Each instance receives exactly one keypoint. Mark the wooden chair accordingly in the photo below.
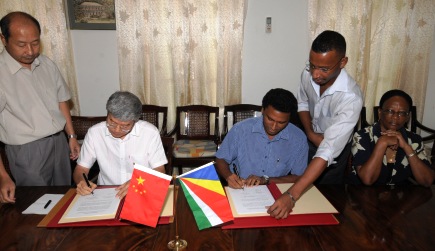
(362, 123)
(151, 113)
(81, 124)
(167, 143)
(236, 113)
(414, 125)
(196, 136)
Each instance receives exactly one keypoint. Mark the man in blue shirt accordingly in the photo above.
(265, 149)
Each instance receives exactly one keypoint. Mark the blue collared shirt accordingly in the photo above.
(248, 146)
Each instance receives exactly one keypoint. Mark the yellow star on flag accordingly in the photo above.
(140, 180)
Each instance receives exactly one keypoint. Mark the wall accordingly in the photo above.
(270, 60)
(276, 59)
(96, 60)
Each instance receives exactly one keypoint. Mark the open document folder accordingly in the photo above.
(147, 194)
(68, 212)
(249, 207)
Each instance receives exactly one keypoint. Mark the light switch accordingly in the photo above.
(268, 24)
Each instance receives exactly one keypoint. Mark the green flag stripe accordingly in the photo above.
(201, 220)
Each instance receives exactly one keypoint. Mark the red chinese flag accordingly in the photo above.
(146, 195)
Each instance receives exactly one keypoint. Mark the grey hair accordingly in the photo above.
(124, 106)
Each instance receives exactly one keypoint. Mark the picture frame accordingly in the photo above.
(91, 14)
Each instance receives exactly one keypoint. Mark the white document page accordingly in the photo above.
(251, 200)
(104, 202)
(38, 206)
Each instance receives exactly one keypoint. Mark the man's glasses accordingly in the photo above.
(124, 128)
(309, 67)
(400, 114)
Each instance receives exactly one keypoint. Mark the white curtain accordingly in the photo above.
(388, 43)
(181, 52)
(55, 38)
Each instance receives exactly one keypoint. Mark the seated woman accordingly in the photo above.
(386, 153)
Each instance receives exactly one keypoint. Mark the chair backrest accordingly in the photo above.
(236, 113)
(195, 122)
(167, 143)
(152, 113)
(362, 122)
(81, 124)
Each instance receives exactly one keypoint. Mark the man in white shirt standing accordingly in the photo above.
(329, 105)
(117, 143)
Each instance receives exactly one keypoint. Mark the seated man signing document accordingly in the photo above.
(117, 143)
(267, 148)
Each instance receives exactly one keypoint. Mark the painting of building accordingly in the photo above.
(97, 11)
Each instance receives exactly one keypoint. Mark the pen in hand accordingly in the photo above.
(87, 182)
(236, 171)
(47, 204)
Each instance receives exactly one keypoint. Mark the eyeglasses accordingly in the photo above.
(400, 114)
(310, 67)
(124, 128)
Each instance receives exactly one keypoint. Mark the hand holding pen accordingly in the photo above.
(240, 183)
(86, 187)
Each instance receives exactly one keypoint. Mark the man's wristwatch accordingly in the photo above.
(266, 178)
(72, 136)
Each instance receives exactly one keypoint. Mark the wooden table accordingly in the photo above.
(371, 218)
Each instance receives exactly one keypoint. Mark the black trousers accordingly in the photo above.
(333, 174)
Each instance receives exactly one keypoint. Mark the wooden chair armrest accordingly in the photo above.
(430, 137)
(171, 133)
(423, 127)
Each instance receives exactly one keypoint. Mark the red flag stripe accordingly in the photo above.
(217, 202)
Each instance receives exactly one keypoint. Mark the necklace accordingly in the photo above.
(391, 155)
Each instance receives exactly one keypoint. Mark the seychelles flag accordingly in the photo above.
(206, 196)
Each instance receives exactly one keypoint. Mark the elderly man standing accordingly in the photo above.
(33, 111)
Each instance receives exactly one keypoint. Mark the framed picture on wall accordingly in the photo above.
(91, 14)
